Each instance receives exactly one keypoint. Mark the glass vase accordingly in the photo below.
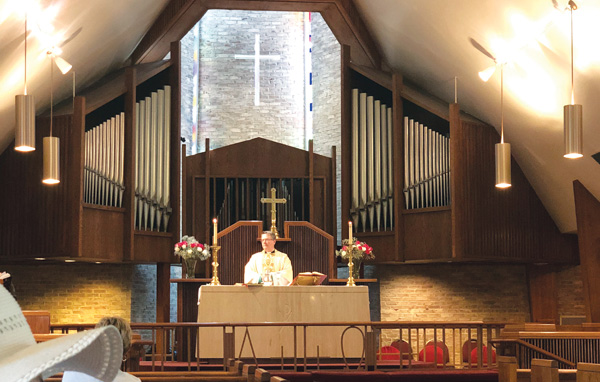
(190, 268)
(356, 268)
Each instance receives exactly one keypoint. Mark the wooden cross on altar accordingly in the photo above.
(274, 201)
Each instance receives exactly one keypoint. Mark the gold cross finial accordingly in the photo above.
(274, 201)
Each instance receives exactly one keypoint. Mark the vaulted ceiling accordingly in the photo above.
(428, 42)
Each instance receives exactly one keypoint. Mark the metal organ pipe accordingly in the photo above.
(105, 155)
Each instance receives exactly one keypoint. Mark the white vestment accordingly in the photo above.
(277, 264)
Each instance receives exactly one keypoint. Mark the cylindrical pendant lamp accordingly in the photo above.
(573, 127)
(51, 160)
(573, 113)
(25, 119)
(503, 165)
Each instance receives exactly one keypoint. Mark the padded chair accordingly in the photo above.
(484, 352)
(442, 346)
(467, 348)
(429, 354)
(404, 348)
(388, 353)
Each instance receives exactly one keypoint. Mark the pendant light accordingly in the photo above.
(25, 114)
(573, 122)
(502, 149)
(51, 144)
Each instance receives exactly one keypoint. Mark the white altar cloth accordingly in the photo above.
(251, 304)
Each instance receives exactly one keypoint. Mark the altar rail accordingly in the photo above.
(568, 344)
(450, 337)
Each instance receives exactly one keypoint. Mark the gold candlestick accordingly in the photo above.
(350, 262)
(215, 264)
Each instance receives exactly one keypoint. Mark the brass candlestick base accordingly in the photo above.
(350, 278)
(215, 264)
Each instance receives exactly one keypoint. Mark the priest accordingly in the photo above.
(268, 266)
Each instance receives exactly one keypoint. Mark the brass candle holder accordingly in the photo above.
(350, 265)
(215, 264)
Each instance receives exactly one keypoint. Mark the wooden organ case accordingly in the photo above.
(418, 181)
(93, 213)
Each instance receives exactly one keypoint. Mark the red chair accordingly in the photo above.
(474, 358)
(388, 353)
(467, 347)
(440, 345)
(427, 355)
(404, 348)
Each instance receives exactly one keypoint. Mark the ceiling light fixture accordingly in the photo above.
(51, 144)
(25, 113)
(502, 149)
(573, 114)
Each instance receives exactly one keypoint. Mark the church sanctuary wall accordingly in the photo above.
(227, 111)
(76, 292)
(326, 62)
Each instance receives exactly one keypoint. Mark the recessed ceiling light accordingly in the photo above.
(69, 261)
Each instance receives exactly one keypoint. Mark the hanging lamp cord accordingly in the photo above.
(51, 90)
(502, 103)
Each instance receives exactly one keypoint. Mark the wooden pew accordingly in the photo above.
(544, 370)
(588, 372)
(507, 369)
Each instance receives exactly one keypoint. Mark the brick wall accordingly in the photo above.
(570, 292)
(327, 99)
(227, 111)
(74, 292)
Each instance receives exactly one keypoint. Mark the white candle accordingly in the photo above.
(350, 232)
(215, 234)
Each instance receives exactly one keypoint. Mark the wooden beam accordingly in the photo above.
(172, 24)
(74, 176)
(179, 16)
(587, 210)
(346, 93)
(543, 293)
(398, 165)
(129, 165)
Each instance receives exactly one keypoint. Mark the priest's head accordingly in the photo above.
(267, 239)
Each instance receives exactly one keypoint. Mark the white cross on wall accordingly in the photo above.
(256, 57)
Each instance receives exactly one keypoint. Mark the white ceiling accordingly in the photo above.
(427, 41)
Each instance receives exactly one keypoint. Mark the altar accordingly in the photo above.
(281, 304)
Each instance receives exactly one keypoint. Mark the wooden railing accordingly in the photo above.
(159, 340)
(568, 345)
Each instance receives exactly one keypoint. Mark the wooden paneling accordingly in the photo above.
(102, 233)
(31, 209)
(587, 209)
(497, 224)
(427, 235)
(543, 293)
(383, 243)
(308, 247)
(153, 247)
(179, 16)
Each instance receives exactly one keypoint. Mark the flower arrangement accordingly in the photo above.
(360, 251)
(190, 248)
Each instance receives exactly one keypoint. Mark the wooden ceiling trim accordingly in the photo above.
(360, 31)
(172, 24)
(179, 16)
